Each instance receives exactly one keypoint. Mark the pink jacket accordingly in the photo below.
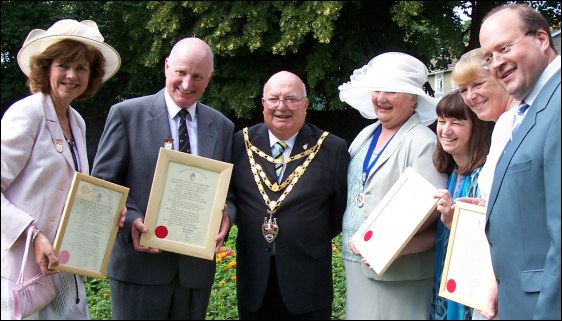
(36, 177)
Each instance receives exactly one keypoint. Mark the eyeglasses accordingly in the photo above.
(273, 103)
(497, 55)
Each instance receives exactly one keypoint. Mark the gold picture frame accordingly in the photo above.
(468, 275)
(186, 201)
(395, 220)
(88, 226)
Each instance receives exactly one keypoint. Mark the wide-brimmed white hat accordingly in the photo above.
(85, 31)
(391, 72)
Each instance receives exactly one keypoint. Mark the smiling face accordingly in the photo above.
(286, 119)
(188, 71)
(485, 96)
(393, 109)
(68, 80)
(517, 56)
(454, 136)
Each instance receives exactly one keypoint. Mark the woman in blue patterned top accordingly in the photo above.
(461, 150)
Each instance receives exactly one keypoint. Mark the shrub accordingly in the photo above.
(222, 305)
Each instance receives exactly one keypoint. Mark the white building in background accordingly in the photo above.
(442, 83)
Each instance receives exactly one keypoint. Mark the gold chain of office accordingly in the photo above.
(289, 182)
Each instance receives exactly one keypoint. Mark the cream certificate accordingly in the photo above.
(395, 220)
(186, 202)
(468, 273)
(185, 205)
(89, 224)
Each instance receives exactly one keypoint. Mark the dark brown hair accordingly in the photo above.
(453, 106)
(66, 51)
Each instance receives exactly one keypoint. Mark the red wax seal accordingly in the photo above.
(451, 286)
(161, 232)
(64, 257)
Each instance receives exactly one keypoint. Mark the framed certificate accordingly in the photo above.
(185, 204)
(467, 273)
(395, 220)
(88, 226)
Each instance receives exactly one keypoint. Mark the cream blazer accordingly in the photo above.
(412, 145)
(36, 177)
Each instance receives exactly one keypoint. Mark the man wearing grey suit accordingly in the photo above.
(147, 283)
(523, 213)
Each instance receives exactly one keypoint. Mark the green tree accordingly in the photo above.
(322, 41)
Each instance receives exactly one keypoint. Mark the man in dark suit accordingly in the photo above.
(523, 213)
(147, 283)
(286, 224)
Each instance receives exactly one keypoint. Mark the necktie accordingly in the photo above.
(518, 117)
(183, 136)
(278, 148)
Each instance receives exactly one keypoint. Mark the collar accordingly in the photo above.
(173, 108)
(549, 72)
(290, 142)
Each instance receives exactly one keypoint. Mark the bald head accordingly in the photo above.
(195, 48)
(287, 78)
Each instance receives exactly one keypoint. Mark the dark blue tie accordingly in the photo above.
(518, 117)
(183, 136)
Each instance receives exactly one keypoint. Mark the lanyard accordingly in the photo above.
(366, 166)
(74, 158)
(457, 189)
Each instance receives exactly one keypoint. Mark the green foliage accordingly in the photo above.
(223, 303)
(321, 41)
(421, 26)
(99, 301)
(338, 277)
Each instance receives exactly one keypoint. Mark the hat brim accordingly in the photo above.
(112, 58)
(359, 97)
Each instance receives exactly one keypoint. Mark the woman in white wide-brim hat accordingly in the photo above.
(389, 89)
(43, 145)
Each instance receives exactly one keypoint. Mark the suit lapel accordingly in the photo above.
(206, 133)
(303, 142)
(80, 143)
(158, 122)
(261, 141)
(55, 130)
(394, 142)
(543, 98)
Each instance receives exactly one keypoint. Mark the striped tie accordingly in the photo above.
(518, 117)
(279, 147)
(183, 136)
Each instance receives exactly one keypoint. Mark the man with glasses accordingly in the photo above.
(286, 218)
(523, 211)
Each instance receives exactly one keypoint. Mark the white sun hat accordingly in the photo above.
(390, 72)
(85, 31)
